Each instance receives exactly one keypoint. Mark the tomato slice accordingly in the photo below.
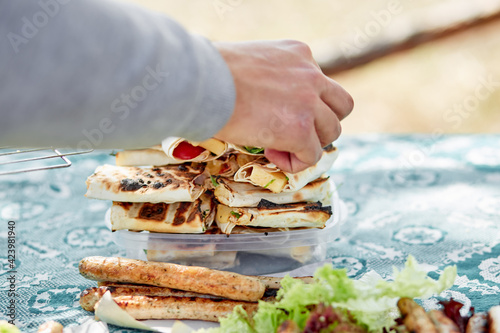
(186, 151)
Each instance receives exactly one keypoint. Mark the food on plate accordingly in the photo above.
(415, 319)
(178, 217)
(50, 327)
(139, 293)
(172, 183)
(190, 278)
(369, 301)
(328, 302)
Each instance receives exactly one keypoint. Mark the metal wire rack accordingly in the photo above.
(14, 160)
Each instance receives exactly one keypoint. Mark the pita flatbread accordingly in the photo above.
(145, 157)
(179, 217)
(239, 194)
(267, 214)
(173, 183)
(266, 175)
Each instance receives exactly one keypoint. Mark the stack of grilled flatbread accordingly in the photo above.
(211, 187)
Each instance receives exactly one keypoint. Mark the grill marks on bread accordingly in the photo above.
(170, 183)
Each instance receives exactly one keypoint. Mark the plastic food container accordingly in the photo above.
(252, 254)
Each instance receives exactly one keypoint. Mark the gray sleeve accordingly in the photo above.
(105, 74)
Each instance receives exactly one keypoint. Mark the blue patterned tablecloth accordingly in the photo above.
(434, 197)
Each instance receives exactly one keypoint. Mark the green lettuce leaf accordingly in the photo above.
(371, 300)
(5, 327)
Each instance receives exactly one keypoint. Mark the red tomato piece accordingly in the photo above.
(186, 151)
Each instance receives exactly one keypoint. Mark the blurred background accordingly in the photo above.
(428, 66)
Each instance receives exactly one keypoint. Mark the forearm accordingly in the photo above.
(106, 74)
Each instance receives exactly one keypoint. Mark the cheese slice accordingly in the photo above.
(267, 175)
(216, 147)
(172, 183)
(267, 214)
(178, 217)
(239, 194)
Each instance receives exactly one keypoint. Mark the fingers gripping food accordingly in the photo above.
(190, 278)
(266, 175)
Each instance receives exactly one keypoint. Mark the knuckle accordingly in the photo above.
(307, 99)
(299, 47)
(350, 103)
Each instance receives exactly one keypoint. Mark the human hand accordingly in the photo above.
(283, 102)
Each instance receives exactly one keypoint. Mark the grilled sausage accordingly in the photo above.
(414, 317)
(189, 278)
(89, 297)
(169, 307)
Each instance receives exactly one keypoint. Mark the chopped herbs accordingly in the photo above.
(270, 182)
(254, 150)
(236, 214)
(287, 179)
(214, 181)
(113, 153)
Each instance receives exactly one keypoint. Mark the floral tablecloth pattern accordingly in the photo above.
(436, 197)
